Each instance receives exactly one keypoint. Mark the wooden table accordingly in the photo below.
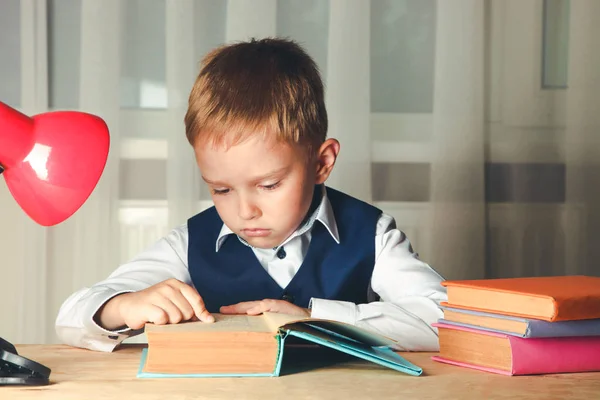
(83, 374)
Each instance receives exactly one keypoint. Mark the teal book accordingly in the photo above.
(241, 345)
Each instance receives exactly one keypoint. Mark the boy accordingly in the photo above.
(277, 240)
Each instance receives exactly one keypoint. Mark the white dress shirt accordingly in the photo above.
(403, 298)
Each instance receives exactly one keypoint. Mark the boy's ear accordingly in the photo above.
(326, 157)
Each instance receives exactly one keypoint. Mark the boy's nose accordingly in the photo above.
(248, 210)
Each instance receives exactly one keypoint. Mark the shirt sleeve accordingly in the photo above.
(165, 259)
(409, 292)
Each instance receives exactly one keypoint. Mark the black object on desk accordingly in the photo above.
(18, 370)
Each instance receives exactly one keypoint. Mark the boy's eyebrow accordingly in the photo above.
(209, 181)
(254, 180)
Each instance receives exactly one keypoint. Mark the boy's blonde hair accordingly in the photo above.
(267, 87)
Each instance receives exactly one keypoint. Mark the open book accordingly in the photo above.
(241, 345)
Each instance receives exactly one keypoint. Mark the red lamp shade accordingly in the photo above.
(51, 161)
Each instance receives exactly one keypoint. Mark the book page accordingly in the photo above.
(276, 320)
(223, 323)
(336, 328)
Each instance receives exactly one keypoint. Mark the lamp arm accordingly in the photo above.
(16, 135)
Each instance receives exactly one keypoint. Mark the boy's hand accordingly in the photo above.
(267, 305)
(167, 302)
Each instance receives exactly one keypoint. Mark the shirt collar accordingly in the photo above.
(323, 214)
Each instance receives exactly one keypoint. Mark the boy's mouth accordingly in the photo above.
(256, 232)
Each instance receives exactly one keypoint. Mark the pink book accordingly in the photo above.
(467, 347)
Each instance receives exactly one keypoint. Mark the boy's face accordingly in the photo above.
(262, 190)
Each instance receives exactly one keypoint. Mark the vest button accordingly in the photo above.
(281, 254)
(288, 297)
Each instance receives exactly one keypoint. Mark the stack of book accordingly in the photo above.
(522, 326)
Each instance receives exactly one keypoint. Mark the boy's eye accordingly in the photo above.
(220, 191)
(271, 186)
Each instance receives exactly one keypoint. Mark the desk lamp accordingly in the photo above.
(51, 163)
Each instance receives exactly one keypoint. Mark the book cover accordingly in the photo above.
(517, 326)
(241, 345)
(553, 298)
(511, 355)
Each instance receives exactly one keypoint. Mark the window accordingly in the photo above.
(10, 45)
(555, 56)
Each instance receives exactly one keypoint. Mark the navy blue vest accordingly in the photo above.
(329, 271)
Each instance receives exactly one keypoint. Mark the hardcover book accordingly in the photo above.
(551, 298)
(241, 345)
(518, 326)
(511, 355)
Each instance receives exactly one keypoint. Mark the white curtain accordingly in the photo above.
(457, 192)
(583, 140)
(349, 105)
(183, 180)
(448, 153)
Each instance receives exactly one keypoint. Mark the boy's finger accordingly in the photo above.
(255, 310)
(181, 302)
(156, 315)
(259, 307)
(239, 308)
(195, 300)
(170, 309)
(278, 306)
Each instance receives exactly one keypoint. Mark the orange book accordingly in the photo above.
(550, 298)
